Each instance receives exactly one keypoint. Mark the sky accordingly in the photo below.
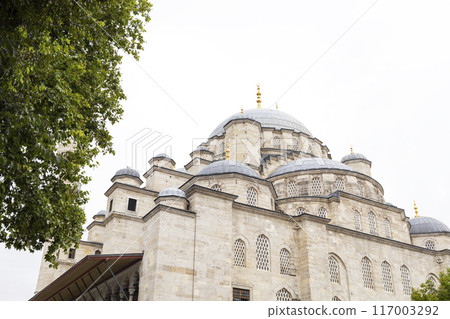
(371, 74)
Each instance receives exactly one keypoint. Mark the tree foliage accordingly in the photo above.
(428, 292)
(59, 89)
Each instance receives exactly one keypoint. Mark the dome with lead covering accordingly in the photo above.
(127, 172)
(427, 225)
(101, 213)
(164, 155)
(268, 118)
(354, 156)
(307, 164)
(172, 191)
(227, 166)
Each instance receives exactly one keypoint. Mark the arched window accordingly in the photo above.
(431, 245)
(335, 298)
(433, 281)
(310, 150)
(406, 280)
(262, 253)
(366, 268)
(292, 189)
(362, 192)
(285, 262)
(300, 211)
(333, 268)
(239, 253)
(339, 184)
(276, 142)
(387, 228)
(284, 295)
(316, 186)
(216, 187)
(357, 219)
(252, 196)
(295, 144)
(222, 147)
(372, 223)
(387, 276)
(322, 212)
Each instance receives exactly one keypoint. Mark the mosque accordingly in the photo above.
(260, 212)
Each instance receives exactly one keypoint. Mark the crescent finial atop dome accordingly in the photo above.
(258, 96)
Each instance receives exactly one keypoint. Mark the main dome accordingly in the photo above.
(268, 118)
(307, 164)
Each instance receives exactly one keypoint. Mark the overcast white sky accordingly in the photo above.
(383, 88)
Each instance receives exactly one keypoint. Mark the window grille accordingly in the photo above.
(431, 245)
(285, 262)
(335, 298)
(322, 212)
(433, 281)
(239, 253)
(310, 149)
(295, 144)
(284, 295)
(372, 223)
(362, 192)
(71, 253)
(132, 204)
(316, 186)
(387, 228)
(406, 280)
(292, 189)
(366, 268)
(216, 187)
(241, 294)
(333, 268)
(276, 142)
(357, 219)
(300, 211)
(222, 147)
(339, 184)
(252, 196)
(387, 277)
(262, 253)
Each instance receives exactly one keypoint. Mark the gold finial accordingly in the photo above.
(258, 96)
(415, 210)
(242, 110)
(228, 151)
(351, 149)
(276, 106)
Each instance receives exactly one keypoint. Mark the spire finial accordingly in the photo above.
(276, 106)
(228, 151)
(351, 149)
(258, 96)
(415, 210)
(242, 110)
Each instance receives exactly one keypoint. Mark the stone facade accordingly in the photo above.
(318, 231)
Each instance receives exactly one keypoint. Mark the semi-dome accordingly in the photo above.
(172, 191)
(427, 225)
(128, 171)
(227, 166)
(354, 156)
(268, 118)
(163, 155)
(100, 213)
(307, 164)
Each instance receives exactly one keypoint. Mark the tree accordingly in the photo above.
(428, 291)
(59, 89)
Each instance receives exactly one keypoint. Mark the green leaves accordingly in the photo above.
(59, 86)
(428, 291)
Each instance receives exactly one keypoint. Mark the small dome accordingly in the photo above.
(202, 148)
(427, 225)
(101, 213)
(267, 118)
(354, 156)
(127, 171)
(227, 166)
(172, 192)
(163, 155)
(307, 164)
(181, 169)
